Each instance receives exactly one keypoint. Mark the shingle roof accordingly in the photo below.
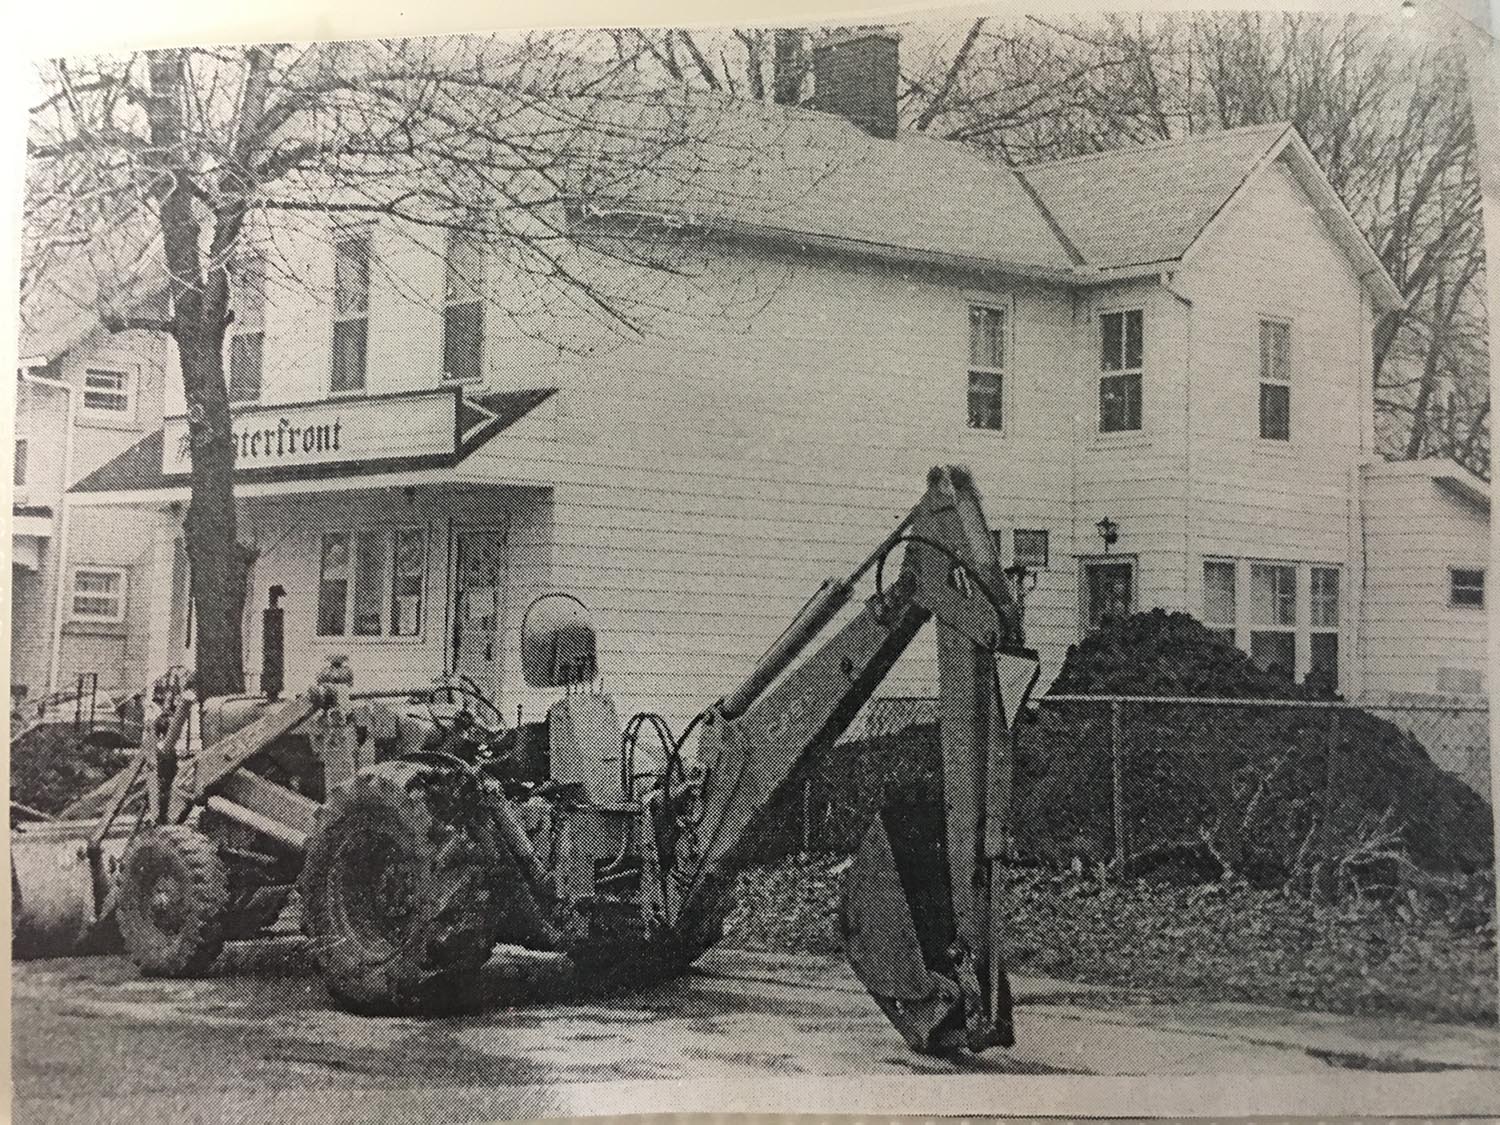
(1148, 203)
(138, 469)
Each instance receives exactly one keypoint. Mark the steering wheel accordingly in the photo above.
(478, 706)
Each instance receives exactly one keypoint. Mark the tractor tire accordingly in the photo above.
(174, 891)
(397, 888)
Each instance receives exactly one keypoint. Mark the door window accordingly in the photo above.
(1109, 592)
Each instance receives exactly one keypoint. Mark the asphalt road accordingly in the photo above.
(94, 1042)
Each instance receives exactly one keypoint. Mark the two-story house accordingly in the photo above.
(1156, 362)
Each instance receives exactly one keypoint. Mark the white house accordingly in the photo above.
(1173, 338)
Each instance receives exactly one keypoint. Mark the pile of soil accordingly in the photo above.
(53, 765)
(1208, 790)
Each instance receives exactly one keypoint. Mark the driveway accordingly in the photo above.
(94, 1042)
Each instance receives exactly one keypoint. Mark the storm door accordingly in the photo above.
(479, 606)
(1108, 591)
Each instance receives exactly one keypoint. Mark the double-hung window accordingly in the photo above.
(22, 451)
(463, 307)
(351, 310)
(1219, 597)
(98, 594)
(247, 343)
(1275, 380)
(371, 582)
(1122, 362)
(1273, 617)
(1466, 587)
(986, 367)
(107, 392)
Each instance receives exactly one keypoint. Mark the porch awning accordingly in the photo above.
(327, 439)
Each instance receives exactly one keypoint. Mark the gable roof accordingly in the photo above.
(1154, 204)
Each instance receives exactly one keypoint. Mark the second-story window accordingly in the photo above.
(986, 367)
(1276, 380)
(1466, 587)
(248, 342)
(351, 310)
(1122, 360)
(21, 452)
(463, 307)
(106, 393)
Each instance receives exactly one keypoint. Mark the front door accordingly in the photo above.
(1108, 591)
(479, 607)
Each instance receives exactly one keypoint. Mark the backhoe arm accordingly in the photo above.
(917, 916)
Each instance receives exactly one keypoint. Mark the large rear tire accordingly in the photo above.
(174, 891)
(397, 890)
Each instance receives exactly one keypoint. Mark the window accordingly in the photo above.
(351, 310)
(1109, 592)
(1273, 617)
(986, 367)
(1323, 664)
(98, 594)
(1030, 549)
(371, 582)
(106, 392)
(248, 341)
(1466, 587)
(463, 308)
(1275, 380)
(1122, 338)
(1218, 597)
(20, 466)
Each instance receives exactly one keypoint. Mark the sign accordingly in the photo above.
(331, 431)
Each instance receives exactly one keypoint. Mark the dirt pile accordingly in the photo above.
(52, 765)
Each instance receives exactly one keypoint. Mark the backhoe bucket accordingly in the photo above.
(900, 937)
(53, 887)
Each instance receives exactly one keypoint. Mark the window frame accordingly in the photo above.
(1015, 547)
(1266, 380)
(249, 322)
(20, 461)
(384, 597)
(1123, 372)
(130, 384)
(1088, 562)
(1315, 628)
(1454, 586)
(475, 298)
(344, 236)
(122, 595)
(1230, 626)
(1002, 308)
(1304, 609)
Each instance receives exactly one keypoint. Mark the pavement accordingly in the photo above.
(91, 1041)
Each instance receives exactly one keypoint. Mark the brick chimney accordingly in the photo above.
(856, 74)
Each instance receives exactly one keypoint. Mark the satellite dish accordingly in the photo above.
(558, 646)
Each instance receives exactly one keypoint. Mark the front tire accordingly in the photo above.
(174, 891)
(397, 890)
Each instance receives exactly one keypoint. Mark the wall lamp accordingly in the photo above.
(1109, 531)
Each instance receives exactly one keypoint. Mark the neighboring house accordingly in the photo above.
(1172, 340)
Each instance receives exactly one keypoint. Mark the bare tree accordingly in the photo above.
(177, 153)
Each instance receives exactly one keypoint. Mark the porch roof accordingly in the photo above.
(139, 469)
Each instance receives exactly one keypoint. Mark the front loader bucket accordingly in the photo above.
(52, 888)
(900, 935)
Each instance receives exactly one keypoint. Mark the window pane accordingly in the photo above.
(1325, 597)
(98, 594)
(465, 269)
(1276, 411)
(1273, 594)
(986, 337)
(1218, 595)
(1030, 548)
(1275, 652)
(349, 355)
(20, 466)
(1324, 671)
(1467, 587)
(250, 293)
(106, 390)
(333, 588)
(1275, 351)
(351, 275)
(1134, 340)
(1119, 403)
(984, 400)
(1110, 592)
(463, 327)
(408, 568)
(244, 367)
(1111, 338)
(369, 583)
